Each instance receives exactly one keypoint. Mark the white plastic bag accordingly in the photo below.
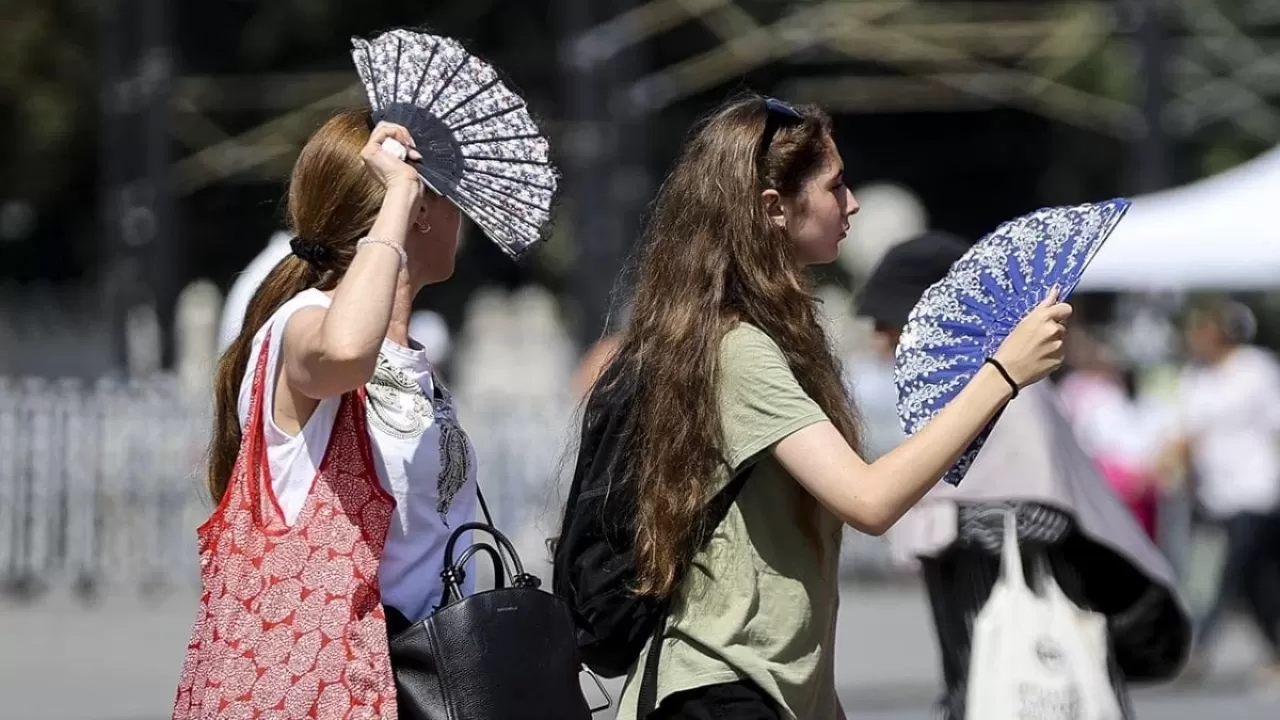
(1037, 658)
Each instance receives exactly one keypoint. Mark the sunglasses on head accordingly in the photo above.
(777, 114)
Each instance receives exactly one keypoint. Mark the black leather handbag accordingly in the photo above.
(509, 653)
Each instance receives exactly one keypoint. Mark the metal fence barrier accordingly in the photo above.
(101, 482)
(97, 483)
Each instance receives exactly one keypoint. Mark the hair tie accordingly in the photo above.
(310, 251)
(1013, 384)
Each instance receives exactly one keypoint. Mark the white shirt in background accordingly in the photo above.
(246, 284)
(1230, 412)
(870, 383)
(1109, 424)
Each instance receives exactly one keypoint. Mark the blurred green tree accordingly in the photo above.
(47, 76)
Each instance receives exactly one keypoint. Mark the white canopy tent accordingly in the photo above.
(1220, 233)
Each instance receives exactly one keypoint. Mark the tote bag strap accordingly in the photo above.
(240, 492)
(256, 456)
(350, 409)
(1010, 555)
(484, 506)
(1044, 577)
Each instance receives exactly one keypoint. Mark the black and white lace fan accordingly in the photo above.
(480, 147)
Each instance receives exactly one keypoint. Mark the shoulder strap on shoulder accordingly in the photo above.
(717, 509)
(647, 701)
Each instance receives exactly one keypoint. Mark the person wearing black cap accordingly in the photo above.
(902, 276)
(1065, 512)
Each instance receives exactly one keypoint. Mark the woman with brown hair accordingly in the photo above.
(735, 377)
(337, 460)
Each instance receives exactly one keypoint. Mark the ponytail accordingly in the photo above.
(289, 277)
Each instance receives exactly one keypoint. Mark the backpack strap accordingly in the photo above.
(719, 506)
(717, 509)
(647, 701)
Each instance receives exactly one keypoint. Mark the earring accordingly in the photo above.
(419, 227)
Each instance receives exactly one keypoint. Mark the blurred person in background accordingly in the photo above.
(593, 363)
(1110, 425)
(601, 352)
(869, 377)
(736, 379)
(1229, 408)
(1065, 513)
(429, 329)
(246, 284)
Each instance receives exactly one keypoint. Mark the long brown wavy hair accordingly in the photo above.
(710, 258)
(333, 200)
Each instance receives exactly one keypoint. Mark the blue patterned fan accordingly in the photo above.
(961, 320)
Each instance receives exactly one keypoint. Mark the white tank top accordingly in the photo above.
(420, 452)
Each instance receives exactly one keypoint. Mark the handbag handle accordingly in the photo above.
(502, 540)
(454, 574)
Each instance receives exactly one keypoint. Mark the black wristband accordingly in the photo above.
(1005, 374)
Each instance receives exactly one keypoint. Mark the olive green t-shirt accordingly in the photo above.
(759, 602)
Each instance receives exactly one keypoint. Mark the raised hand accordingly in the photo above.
(1034, 349)
(390, 168)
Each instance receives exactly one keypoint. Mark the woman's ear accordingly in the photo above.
(773, 207)
(422, 218)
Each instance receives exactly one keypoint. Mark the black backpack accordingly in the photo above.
(594, 558)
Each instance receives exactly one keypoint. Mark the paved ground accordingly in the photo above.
(62, 661)
(1190, 705)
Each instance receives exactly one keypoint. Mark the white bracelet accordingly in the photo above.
(404, 256)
